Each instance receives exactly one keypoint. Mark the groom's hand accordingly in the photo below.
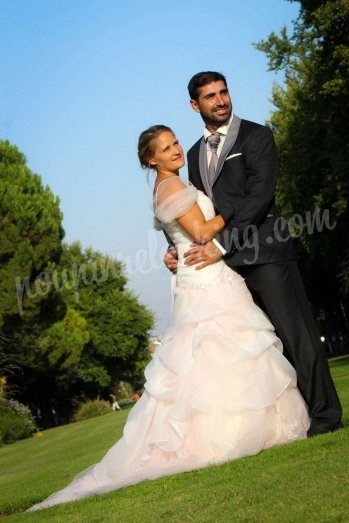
(202, 255)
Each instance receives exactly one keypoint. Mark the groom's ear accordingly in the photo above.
(195, 106)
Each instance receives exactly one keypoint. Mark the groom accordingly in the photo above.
(235, 163)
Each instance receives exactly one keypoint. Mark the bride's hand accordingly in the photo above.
(171, 260)
(202, 255)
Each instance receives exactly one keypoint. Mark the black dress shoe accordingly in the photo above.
(316, 431)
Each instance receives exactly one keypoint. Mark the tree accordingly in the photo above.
(311, 127)
(30, 240)
(101, 339)
(117, 323)
(30, 230)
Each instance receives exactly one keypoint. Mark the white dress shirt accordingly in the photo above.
(223, 131)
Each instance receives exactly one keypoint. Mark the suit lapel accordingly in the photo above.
(228, 144)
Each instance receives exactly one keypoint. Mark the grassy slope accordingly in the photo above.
(305, 481)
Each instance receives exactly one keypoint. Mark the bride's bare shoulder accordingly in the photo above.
(170, 184)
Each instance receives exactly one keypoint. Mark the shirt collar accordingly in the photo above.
(223, 129)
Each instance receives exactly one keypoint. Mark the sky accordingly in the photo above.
(81, 79)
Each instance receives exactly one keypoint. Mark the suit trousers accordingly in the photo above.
(278, 289)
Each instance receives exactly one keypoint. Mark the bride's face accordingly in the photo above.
(168, 154)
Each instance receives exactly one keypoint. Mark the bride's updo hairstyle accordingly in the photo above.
(145, 145)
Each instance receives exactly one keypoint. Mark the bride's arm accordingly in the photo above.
(176, 200)
(200, 229)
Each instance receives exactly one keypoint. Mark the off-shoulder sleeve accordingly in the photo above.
(173, 199)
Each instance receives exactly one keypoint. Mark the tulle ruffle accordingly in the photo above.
(174, 197)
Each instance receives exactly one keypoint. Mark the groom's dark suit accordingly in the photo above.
(259, 247)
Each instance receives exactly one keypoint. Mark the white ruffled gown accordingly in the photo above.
(218, 387)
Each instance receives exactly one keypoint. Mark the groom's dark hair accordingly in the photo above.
(201, 79)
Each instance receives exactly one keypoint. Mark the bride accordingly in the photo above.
(218, 387)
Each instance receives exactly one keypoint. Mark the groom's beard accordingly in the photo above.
(214, 119)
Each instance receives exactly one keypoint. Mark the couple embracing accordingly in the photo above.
(220, 387)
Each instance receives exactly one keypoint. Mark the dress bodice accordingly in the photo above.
(182, 240)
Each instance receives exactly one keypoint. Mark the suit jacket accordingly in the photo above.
(243, 192)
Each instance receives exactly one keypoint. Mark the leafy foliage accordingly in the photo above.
(117, 323)
(30, 240)
(311, 128)
(30, 228)
(9, 364)
(92, 409)
(101, 338)
(16, 421)
(63, 342)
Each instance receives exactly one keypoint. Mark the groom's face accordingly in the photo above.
(214, 104)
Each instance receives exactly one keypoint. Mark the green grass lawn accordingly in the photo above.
(306, 481)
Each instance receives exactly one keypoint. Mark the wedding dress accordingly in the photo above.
(218, 388)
